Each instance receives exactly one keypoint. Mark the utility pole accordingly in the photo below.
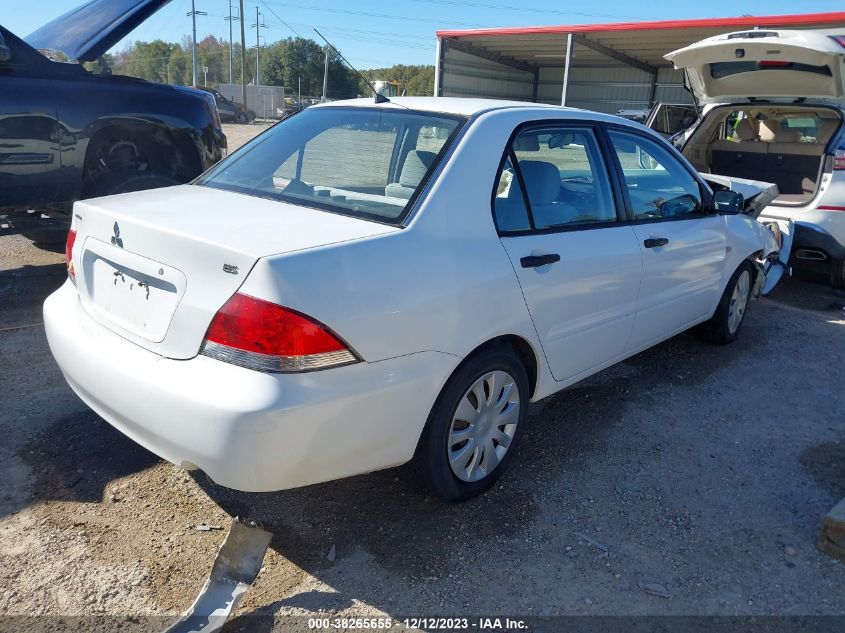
(258, 25)
(326, 75)
(230, 19)
(299, 92)
(243, 55)
(193, 13)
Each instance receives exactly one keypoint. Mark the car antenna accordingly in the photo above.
(377, 96)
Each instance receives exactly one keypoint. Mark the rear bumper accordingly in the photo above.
(812, 237)
(247, 430)
(820, 225)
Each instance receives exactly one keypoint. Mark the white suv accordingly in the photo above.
(773, 109)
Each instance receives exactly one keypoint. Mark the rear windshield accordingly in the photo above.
(364, 162)
(720, 70)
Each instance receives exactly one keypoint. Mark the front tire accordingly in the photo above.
(473, 429)
(723, 326)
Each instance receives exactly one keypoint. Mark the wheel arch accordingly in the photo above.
(519, 345)
(169, 152)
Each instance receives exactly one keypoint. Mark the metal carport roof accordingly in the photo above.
(529, 55)
(646, 42)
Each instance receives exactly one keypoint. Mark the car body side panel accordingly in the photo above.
(681, 279)
(84, 104)
(93, 104)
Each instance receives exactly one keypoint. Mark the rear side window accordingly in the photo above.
(509, 202)
(659, 186)
(562, 174)
(364, 162)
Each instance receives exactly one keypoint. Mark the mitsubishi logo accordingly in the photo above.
(115, 239)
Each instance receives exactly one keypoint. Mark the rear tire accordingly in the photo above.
(837, 273)
(724, 325)
(468, 440)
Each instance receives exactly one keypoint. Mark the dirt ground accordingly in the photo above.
(237, 135)
(703, 471)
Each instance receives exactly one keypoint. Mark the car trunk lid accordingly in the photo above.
(155, 266)
(764, 64)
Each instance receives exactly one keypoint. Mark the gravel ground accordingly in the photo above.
(237, 135)
(703, 471)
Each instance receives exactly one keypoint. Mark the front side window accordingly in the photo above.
(564, 178)
(658, 185)
(364, 162)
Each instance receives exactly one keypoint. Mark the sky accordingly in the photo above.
(380, 33)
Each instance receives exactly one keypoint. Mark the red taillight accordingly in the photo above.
(71, 239)
(264, 336)
(773, 64)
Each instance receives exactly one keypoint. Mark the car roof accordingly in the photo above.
(470, 107)
(446, 105)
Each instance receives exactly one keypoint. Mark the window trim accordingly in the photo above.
(616, 195)
(704, 190)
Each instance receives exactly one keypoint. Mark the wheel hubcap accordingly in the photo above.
(483, 426)
(739, 301)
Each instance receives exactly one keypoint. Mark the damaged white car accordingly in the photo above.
(369, 283)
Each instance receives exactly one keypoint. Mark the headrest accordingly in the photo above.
(746, 130)
(786, 135)
(769, 130)
(542, 180)
(826, 130)
(416, 165)
(527, 143)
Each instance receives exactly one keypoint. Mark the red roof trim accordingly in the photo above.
(740, 22)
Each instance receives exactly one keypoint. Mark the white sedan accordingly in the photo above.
(366, 284)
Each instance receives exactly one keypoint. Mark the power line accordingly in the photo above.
(502, 7)
(289, 27)
(383, 16)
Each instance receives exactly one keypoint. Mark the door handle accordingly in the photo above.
(533, 261)
(654, 242)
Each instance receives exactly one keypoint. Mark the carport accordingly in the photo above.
(602, 67)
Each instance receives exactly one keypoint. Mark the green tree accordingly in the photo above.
(413, 80)
(148, 60)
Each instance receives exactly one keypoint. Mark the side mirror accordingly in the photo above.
(728, 202)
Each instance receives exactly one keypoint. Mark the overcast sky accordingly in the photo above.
(386, 32)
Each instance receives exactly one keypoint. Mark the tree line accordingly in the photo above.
(296, 63)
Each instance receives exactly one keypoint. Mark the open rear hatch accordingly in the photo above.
(155, 266)
(764, 64)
